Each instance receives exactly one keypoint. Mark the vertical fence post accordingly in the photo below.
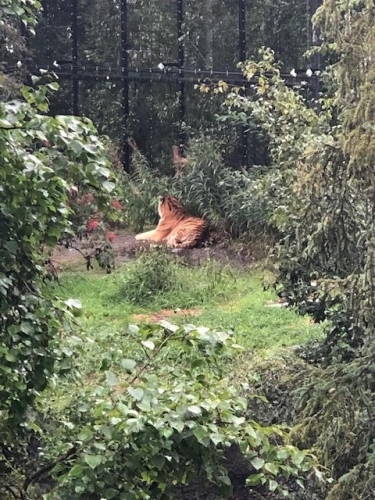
(181, 62)
(242, 57)
(74, 47)
(125, 84)
(313, 40)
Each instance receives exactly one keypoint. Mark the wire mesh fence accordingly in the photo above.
(131, 66)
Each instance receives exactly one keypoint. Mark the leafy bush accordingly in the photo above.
(227, 198)
(323, 190)
(42, 158)
(163, 419)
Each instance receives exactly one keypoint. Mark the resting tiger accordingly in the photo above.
(177, 228)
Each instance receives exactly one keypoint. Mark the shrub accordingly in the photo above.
(164, 419)
(153, 273)
(160, 279)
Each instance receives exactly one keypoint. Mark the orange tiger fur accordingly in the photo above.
(177, 228)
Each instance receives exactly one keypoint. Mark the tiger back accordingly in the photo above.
(176, 227)
(188, 231)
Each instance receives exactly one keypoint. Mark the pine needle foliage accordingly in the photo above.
(322, 188)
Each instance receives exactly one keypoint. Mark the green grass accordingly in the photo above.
(229, 299)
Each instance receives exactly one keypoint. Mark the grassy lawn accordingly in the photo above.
(224, 298)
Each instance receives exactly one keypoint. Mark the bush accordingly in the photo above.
(160, 279)
(153, 273)
(163, 419)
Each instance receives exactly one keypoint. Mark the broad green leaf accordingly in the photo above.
(111, 378)
(272, 468)
(109, 186)
(128, 364)
(201, 434)
(86, 434)
(272, 485)
(257, 462)
(148, 344)
(136, 392)
(255, 479)
(195, 410)
(76, 470)
(74, 303)
(133, 329)
(158, 461)
(93, 461)
(217, 438)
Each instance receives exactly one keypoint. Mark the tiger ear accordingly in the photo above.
(161, 199)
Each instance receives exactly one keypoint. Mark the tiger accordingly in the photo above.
(176, 227)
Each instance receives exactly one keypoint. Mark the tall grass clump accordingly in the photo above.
(140, 191)
(231, 200)
(150, 275)
(159, 279)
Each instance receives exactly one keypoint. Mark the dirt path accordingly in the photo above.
(125, 247)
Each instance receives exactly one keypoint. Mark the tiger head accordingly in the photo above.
(169, 206)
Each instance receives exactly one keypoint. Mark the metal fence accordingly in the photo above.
(125, 76)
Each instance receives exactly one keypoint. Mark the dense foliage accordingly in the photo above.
(161, 417)
(166, 418)
(42, 159)
(322, 190)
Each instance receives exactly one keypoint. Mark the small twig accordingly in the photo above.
(149, 362)
(37, 475)
(14, 494)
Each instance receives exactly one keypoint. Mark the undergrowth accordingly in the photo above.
(225, 297)
(226, 300)
(160, 279)
(229, 199)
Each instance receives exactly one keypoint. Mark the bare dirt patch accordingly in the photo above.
(164, 314)
(125, 247)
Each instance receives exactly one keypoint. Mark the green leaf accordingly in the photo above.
(76, 147)
(111, 378)
(148, 344)
(282, 454)
(76, 470)
(257, 462)
(272, 485)
(133, 329)
(128, 364)
(110, 493)
(158, 461)
(178, 425)
(5, 123)
(195, 410)
(217, 438)
(93, 461)
(86, 434)
(255, 479)
(109, 186)
(272, 468)
(136, 392)
(11, 246)
(298, 458)
(74, 303)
